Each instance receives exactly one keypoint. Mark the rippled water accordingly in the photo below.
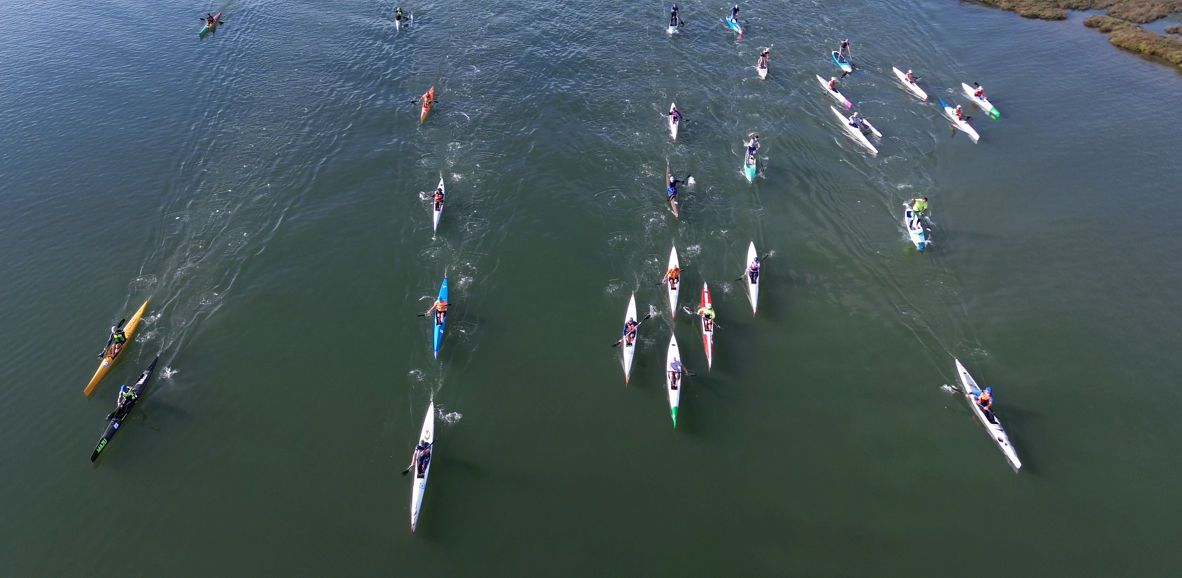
(263, 186)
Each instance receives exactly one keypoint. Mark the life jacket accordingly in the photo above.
(441, 306)
(984, 400)
(920, 206)
(119, 337)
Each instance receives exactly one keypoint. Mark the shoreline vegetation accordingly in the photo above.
(1120, 23)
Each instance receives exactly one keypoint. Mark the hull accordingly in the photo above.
(629, 349)
(841, 63)
(911, 87)
(419, 489)
(107, 362)
(993, 428)
(707, 327)
(673, 379)
(919, 237)
(983, 103)
(673, 125)
(428, 99)
(205, 29)
(121, 415)
(673, 289)
(854, 132)
(440, 325)
(437, 210)
(752, 287)
(837, 95)
(961, 125)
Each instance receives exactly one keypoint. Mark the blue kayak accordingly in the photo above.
(841, 62)
(440, 324)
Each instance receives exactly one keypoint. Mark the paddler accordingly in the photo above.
(844, 49)
(833, 83)
(630, 331)
(674, 115)
(919, 205)
(984, 400)
(910, 76)
(398, 14)
(673, 20)
(735, 13)
(675, 371)
(959, 114)
(672, 276)
(671, 188)
(752, 145)
(117, 340)
(437, 199)
(856, 121)
(979, 92)
(422, 457)
(126, 394)
(440, 309)
(707, 311)
(209, 21)
(753, 270)
(763, 59)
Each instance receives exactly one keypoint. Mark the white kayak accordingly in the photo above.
(674, 124)
(673, 377)
(421, 468)
(992, 426)
(982, 102)
(839, 97)
(752, 284)
(960, 124)
(910, 86)
(673, 287)
(917, 234)
(629, 348)
(437, 208)
(854, 131)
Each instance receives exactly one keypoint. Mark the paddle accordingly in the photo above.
(412, 462)
(621, 339)
(692, 313)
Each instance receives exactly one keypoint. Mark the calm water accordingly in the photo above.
(262, 188)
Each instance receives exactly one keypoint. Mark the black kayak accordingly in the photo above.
(120, 414)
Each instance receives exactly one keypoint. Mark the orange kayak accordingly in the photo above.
(427, 100)
(108, 360)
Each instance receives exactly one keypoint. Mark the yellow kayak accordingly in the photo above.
(108, 360)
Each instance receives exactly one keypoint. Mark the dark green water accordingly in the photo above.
(262, 188)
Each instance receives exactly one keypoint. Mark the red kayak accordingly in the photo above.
(707, 325)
